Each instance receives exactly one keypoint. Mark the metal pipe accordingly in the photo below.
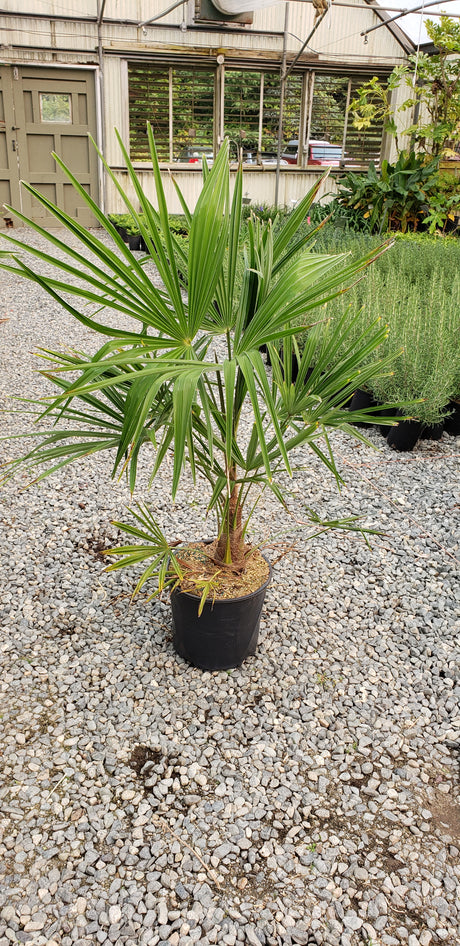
(163, 13)
(423, 6)
(100, 14)
(315, 27)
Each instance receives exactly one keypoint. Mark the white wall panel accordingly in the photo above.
(50, 35)
(51, 7)
(116, 107)
(338, 36)
(258, 185)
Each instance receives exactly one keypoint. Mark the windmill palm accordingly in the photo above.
(186, 367)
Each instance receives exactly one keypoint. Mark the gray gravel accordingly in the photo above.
(310, 796)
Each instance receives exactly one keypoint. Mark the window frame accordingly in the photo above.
(306, 104)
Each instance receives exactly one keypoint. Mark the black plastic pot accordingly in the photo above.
(432, 431)
(405, 435)
(346, 406)
(224, 634)
(386, 412)
(360, 401)
(135, 241)
(123, 233)
(452, 423)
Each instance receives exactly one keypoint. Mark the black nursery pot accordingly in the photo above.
(405, 435)
(432, 431)
(226, 632)
(135, 241)
(452, 423)
(359, 402)
(386, 412)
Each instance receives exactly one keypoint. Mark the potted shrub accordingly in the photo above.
(416, 290)
(178, 378)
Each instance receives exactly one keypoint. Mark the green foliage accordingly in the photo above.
(158, 389)
(177, 223)
(396, 198)
(372, 103)
(444, 203)
(434, 87)
(416, 291)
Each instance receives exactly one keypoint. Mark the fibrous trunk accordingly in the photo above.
(230, 547)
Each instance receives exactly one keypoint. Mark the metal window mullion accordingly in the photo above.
(304, 105)
(309, 110)
(170, 112)
(218, 107)
(261, 112)
(345, 124)
(222, 102)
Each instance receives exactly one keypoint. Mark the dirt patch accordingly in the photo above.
(96, 544)
(445, 815)
(141, 755)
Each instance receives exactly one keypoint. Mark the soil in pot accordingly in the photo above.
(227, 630)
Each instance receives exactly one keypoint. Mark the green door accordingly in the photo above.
(9, 166)
(49, 110)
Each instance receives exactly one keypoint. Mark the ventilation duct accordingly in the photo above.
(235, 7)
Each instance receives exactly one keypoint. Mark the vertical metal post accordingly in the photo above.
(311, 92)
(304, 114)
(170, 114)
(261, 112)
(100, 105)
(282, 96)
(345, 124)
(219, 106)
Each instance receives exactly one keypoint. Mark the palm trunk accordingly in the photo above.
(230, 547)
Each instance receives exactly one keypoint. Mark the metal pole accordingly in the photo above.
(318, 21)
(282, 94)
(422, 7)
(100, 106)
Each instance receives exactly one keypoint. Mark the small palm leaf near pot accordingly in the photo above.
(159, 389)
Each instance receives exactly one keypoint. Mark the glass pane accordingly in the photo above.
(56, 107)
(193, 114)
(328, 111)
(242, 107)
(292, 100)
(192, 100)
(291, 115)
(148, 102)
(362, 147)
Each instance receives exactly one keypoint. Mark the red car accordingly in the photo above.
(319, 153)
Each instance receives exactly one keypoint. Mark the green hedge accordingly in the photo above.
(415, 288)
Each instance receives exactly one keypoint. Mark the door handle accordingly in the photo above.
(14, 145)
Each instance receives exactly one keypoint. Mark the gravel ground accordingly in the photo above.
(310, 796)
